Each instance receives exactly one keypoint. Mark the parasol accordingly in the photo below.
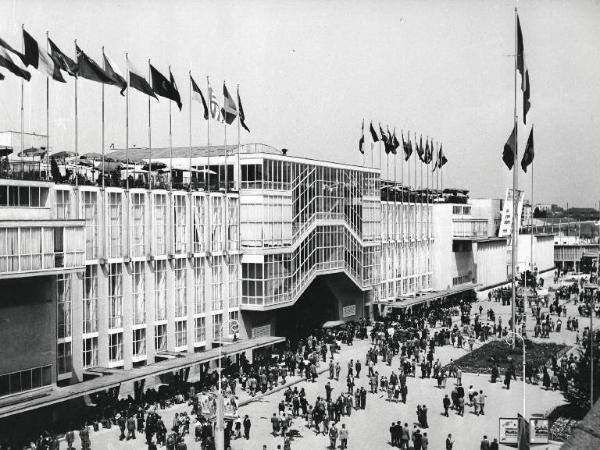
(63, 154)
(5, 151)
(156, 165)
(33, 151)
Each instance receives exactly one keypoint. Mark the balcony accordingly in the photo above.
(469, 229)
(41, 247)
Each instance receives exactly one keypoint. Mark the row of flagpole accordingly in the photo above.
(54, 61)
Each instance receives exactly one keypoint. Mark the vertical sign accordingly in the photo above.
(507, 213)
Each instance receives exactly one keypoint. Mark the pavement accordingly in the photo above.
(369, 428)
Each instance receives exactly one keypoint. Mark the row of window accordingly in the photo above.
(23, 196)
(24, 380)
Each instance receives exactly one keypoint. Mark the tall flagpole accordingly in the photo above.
(126, 127)
(225, 162)
(22, 113)
(239, 171)
(190, 163)
(207, 174)
(102, 139)
(170, 146)
(76, 127)
(149, 133)
(47, 116)
(514, 196)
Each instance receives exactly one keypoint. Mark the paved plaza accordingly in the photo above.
(369, 428)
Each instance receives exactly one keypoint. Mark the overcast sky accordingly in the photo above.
(310, 71)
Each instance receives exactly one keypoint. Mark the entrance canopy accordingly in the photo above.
(39, 399)
(333, 323)
(407, 300)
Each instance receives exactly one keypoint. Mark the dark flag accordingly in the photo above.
(529, 153)
(137, 81)
(114, 73)
(520, 49)
(420, 150)
(40, 59)
(88, 68)
(407, 147)
(361, 141)
(1, 77)
(163, 87)
(441, 159)
(526, 94)
(428, 156)
(229, 108)
(389, 146)
(373, 133)
(64, 62)
(508, 155)
(523, 434)
(395, 143)
(384, 139)
(13, 66)
(10, 48)
(199, 97)
(243, 116)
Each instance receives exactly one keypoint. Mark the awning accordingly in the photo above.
(406, 301)
(35, 399)
(333, 323)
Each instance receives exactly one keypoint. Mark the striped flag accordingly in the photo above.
(40, 59)
(137, 80)
(198, 96)
(361, 141)
(229, 107)
(216, 111)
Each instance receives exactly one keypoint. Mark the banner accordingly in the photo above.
(348, 311)
(509, 431)
(539, 430)
(507, 213)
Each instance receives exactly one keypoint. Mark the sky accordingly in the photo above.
(310, 71)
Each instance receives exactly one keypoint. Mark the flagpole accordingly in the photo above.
(149, 133)
(47, 116)
(76, 127)
(207, 174)
(170, 146)
(191, 132)
(22, 112)
(225, 160)
(239, 169)
(102, 139)
(514, 196)
(126, 127)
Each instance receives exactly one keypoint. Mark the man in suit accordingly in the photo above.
(405, 437)
(485, 444)
(449, 442)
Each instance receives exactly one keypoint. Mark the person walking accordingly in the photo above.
(425, 442)
(344, 437)
(446, 403)
(485, 444)
(405, 437)
(247, 424)
(449, 442)
(481, 398)
(333, 435)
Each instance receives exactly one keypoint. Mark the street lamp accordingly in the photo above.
(520, 336)
(234, 326)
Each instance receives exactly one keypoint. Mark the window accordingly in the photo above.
(232, 223)
(180, 288)
(63, 205)
(90, 352)
(115, 217)
(23, 196)
(63, 302)
(234, 317)
(160, 290)
(199, 221)
(63, 357)
(139, 342)
(200, 329)
(90, 214)
(115, 296)
(160, 337)
(199, 300)
(160, 224)
(217, 284)
(180, 333)
(15, 382)
(179, 224)
(90, 299)
(115, 347)
(138, 292)
(216, 218)
(137, 224)
(234, 280)
(217, 324)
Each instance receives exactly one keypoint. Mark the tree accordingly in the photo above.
(55, 171)
(538, 214)
(578, 392)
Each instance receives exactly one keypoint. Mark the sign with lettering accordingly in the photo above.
(507, 213)
(348, 311)
(509, 431)
(539, 431)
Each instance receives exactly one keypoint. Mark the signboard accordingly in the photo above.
(507, 213)
(539, 431)
(509, 431)
(348, 311)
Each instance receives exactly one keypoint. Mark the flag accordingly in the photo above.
(64, 62)
(528, 154)
(40, 59)
(407, 147)
(137, 80)
(1, 77)
(178, 97)
(163, 87)
(242, 115)
(526, 94)
(420, 149)
(395, 143)
(520, 49)
(441, 159)
(373, 133)
(508, 155)
(229, 108)
(9, 47)
(216, 112)
(88, 68)
(7, 61)
(523, 433)
(114, 73)
(361, 141)
(428, 154)
(198, 96)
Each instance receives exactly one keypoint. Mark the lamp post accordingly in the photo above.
(520, 336)
(234, 326)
